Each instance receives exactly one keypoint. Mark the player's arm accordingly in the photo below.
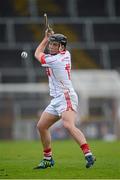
(39, 52)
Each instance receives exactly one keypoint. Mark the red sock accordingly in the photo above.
(47, 152)
(85, 148)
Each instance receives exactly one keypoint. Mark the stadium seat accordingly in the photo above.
(2, 33)
(85, 58)
(115, 58)
(10, 59)
(28, 33)
(117, 7)
(6, 8)
(108, 32)
(53, 7)
(91, 8)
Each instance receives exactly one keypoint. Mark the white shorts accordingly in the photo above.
(63, 103)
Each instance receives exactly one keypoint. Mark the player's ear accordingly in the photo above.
(61, 48)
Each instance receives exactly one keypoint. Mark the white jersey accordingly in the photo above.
(58, 70)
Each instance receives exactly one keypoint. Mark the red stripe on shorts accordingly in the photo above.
(69, 104)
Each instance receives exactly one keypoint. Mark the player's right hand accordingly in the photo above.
(49, 32)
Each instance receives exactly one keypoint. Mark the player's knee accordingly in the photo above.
(39, 126)
(66, 125)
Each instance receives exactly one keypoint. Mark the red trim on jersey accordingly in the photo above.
(62, 52)
(67, 67)
(42, 60)
(48, 71)
(68, 101)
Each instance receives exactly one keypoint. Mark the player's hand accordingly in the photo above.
(49, 32)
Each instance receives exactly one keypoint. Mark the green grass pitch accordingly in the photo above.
(17, 159)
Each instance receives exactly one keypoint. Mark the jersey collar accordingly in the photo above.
(62, 52)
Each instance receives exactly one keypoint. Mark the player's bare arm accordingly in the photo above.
(41, 47)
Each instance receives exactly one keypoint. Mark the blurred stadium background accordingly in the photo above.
(93, 31)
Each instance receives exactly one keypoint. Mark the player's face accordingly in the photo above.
(54, 47)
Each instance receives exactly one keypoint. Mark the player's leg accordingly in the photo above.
(46, 120)
(69, 118)
(43, 125)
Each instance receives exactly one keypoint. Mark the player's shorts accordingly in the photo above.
(63, 103)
